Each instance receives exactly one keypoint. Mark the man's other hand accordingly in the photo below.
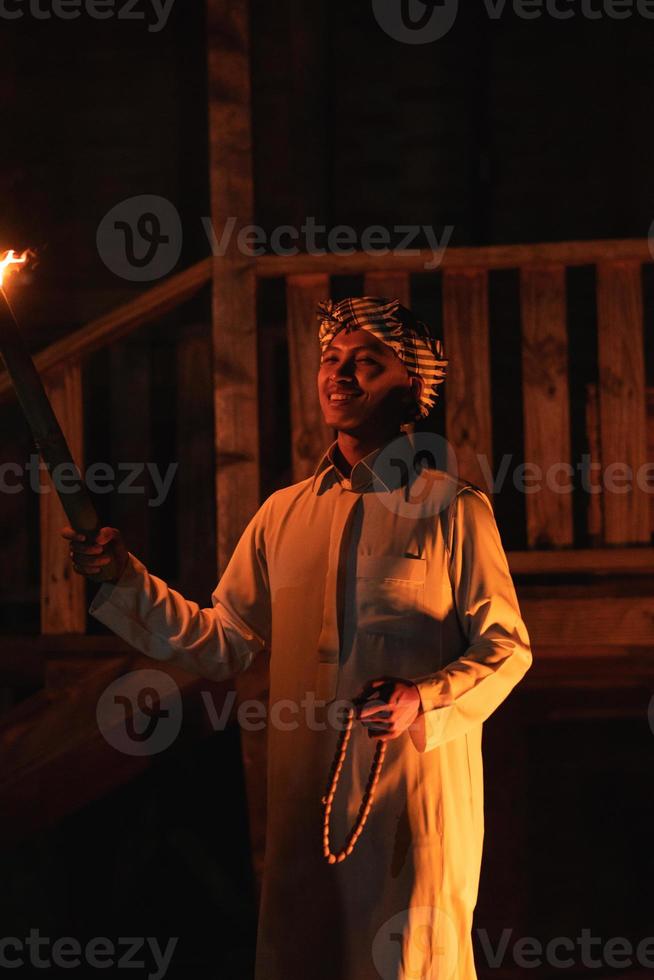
(390, 705)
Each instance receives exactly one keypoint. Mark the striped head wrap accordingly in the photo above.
(394, 325)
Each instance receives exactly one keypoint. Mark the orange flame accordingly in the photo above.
(11, 259)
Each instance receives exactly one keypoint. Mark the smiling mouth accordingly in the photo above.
(343, 398)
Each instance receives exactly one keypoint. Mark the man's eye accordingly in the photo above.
(366, 360)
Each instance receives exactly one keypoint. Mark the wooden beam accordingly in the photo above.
(486, 257)
(63, 591)
(621, 365)
(309, 434)
(545, 403)
(234, 286)
(468, 403)
(146, 308)
(586, 561)
(602, 621)
(235, 339)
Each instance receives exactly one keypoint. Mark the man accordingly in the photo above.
(372, 576)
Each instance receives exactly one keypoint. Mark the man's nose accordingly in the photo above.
(343, 370)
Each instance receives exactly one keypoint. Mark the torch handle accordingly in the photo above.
(46, 431)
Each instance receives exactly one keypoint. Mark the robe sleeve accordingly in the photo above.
(467, 690)
(215, 642)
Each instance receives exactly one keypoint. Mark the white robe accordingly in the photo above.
(343, 581)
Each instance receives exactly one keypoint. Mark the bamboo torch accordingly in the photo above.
(46, 431)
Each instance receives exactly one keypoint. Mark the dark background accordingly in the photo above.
(509, 130)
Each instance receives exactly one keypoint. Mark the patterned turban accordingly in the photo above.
(394, 325)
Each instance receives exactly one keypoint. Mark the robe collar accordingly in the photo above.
(363, 474)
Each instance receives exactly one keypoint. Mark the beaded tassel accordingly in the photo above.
(366, 802)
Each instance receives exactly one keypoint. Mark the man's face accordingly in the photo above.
(363, 386)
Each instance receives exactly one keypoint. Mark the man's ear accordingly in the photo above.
(416, 387)
(412, 400)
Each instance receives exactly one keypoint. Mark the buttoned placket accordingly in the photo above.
(349, 493)
(330, 639)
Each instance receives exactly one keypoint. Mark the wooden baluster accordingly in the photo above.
(621, 366)
(468, 401)
(545, 403)
(309, 434)
(63, 592)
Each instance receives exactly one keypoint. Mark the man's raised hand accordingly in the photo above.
(92, 558)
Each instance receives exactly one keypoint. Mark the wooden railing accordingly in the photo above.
(617, 406)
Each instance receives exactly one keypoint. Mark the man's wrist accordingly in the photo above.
(421, 706)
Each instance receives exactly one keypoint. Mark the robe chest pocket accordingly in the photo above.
(390, 594)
